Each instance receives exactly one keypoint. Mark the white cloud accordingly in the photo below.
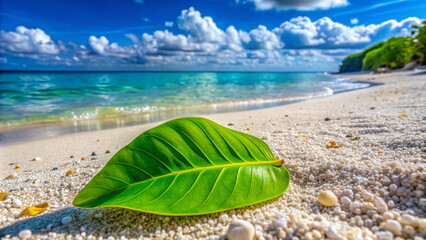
(29, 41)
(201, 29)
(354, 21)
(102, 47)
(169, 24)
(301, 32)
(203, 44)
(304, 5)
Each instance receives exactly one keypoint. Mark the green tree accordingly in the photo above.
(394, 53)
(419, 42)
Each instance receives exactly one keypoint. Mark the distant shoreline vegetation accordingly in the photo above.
(395, 53)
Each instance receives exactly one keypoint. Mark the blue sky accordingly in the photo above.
(205, 35)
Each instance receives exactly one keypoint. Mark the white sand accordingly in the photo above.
(386, 164)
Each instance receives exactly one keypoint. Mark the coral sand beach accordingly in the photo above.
(375, 172)
(217, 120)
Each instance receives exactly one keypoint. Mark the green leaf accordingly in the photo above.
(187, 166)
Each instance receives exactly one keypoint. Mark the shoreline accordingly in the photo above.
(37, 130)
(390, 149)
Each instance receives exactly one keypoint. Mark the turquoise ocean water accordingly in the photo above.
(78, 101)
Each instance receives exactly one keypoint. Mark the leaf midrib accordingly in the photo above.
(277, 163)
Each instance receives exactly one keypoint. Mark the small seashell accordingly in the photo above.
(33, 210)
(11, 176)
(305, 140)
(107, 151)
(17, 166)
(93, 154)
(37, 159)
(70, 172)
(3, 195)
(248, 129)
(403, 115)
(83, 158)
(327, 198)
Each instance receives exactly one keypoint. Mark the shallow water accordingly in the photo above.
(115, 99)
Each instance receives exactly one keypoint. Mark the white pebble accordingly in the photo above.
(384, 235)
(381, 205)
(387, 216)
(392, 226)
(240, 230)
(407, 219)
(37, 159)
(311, 178)
(17, 203)
(279, 223)
(66, 220)
(368, 196)
(223, 218)
(26, 233)
(327, 198)
(409, 230)
(332, 233)
(345, 200)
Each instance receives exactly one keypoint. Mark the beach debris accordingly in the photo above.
(305, 140)
(93, 158)
(33, 210)
(17, 167)
(332, 144)
(372, 108)
(98, 140)
(355, 138)
(107, 151)
(71, 156)
(248, 129)
(327, 198)
(69, 172)
(274, 124)
(286, 115)
(83, 158)
(349, 135)
(26, 233)
(17, 203)
(230, 124)
(11, 176)
(338, 119)
(3, 195)
(13, 163)
(54, 169)
(36, 159)
(93, 154)
(327, 119)
(240, 230)
(66, 220)
(403, 115)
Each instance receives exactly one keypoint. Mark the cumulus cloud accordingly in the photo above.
(301, 32)
(102, 47)
(27, 41)
(354, 21)
(304, 5)
(203, 43)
